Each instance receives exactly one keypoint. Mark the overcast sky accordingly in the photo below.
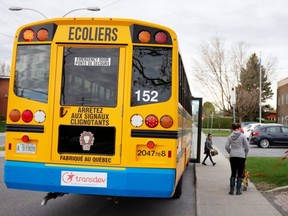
(260, 23)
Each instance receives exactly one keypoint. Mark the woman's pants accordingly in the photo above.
(237, 166)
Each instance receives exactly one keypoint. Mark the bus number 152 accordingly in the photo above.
(147, 95)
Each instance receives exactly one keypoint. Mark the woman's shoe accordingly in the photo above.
(204, 163)
(214, 164)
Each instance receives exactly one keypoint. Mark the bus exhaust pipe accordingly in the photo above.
(49, 196)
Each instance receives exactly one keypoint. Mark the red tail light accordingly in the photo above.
(27, 116)
(255, 133)
(151, 121)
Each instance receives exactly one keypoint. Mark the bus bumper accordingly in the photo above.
(108, 181)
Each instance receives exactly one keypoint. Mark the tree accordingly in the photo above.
(218, 70)
(248, 90)
(208, 108)
(4, 69)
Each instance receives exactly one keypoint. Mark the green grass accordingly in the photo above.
(2, 148)
(217, 132)
(2, 126)
(267, 172)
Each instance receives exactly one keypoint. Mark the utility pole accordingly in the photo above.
(233, 102)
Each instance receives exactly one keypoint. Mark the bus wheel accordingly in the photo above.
(178, 190)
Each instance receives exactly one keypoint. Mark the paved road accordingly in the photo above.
(27, 203)
(254, 151)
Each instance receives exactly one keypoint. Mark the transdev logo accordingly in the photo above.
(84, 179)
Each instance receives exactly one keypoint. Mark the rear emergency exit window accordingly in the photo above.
(90, 77)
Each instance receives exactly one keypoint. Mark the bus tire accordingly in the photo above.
(178, 190)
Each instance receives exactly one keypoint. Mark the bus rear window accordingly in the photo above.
(32, 72)
(90, 77)
(151, 75)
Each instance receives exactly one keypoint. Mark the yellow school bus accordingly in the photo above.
(98, 106)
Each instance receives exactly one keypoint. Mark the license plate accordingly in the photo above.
(26, 148)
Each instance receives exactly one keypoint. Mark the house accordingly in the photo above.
(282, 101)
(4, 85)
(271, 115)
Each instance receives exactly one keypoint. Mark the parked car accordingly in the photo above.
(270, 134)
(249, 129)
(245, 124)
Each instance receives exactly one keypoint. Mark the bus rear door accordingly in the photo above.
(88, 104)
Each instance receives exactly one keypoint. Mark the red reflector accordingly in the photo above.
(169, 154)
(27, 116)
(25, 138)
(161, 37)
(42, 35)
(151, 121)
(150, 144)
(144, 36)
(9, 146)
(28, 35)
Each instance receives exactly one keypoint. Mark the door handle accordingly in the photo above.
(63, 112)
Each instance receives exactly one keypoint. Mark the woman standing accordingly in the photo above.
(207, 149)
(237, 146)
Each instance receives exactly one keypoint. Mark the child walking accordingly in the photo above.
(207, 149)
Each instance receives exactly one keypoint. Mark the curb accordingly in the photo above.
(276, 189)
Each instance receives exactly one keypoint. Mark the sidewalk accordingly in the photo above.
(212, 187)
(2, 153)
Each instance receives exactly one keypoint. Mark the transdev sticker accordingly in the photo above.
(84, 179)
(92, 61)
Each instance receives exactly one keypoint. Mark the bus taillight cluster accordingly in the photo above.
(41, 35)
(152, 121)
(145, 37)
(27, 116)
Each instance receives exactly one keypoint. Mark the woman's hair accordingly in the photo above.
(209, 134)
(236, 126)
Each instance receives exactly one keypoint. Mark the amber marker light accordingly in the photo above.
(42, 35)
(144, 36)
(28, 35)
(166, 121)
(14, 115)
